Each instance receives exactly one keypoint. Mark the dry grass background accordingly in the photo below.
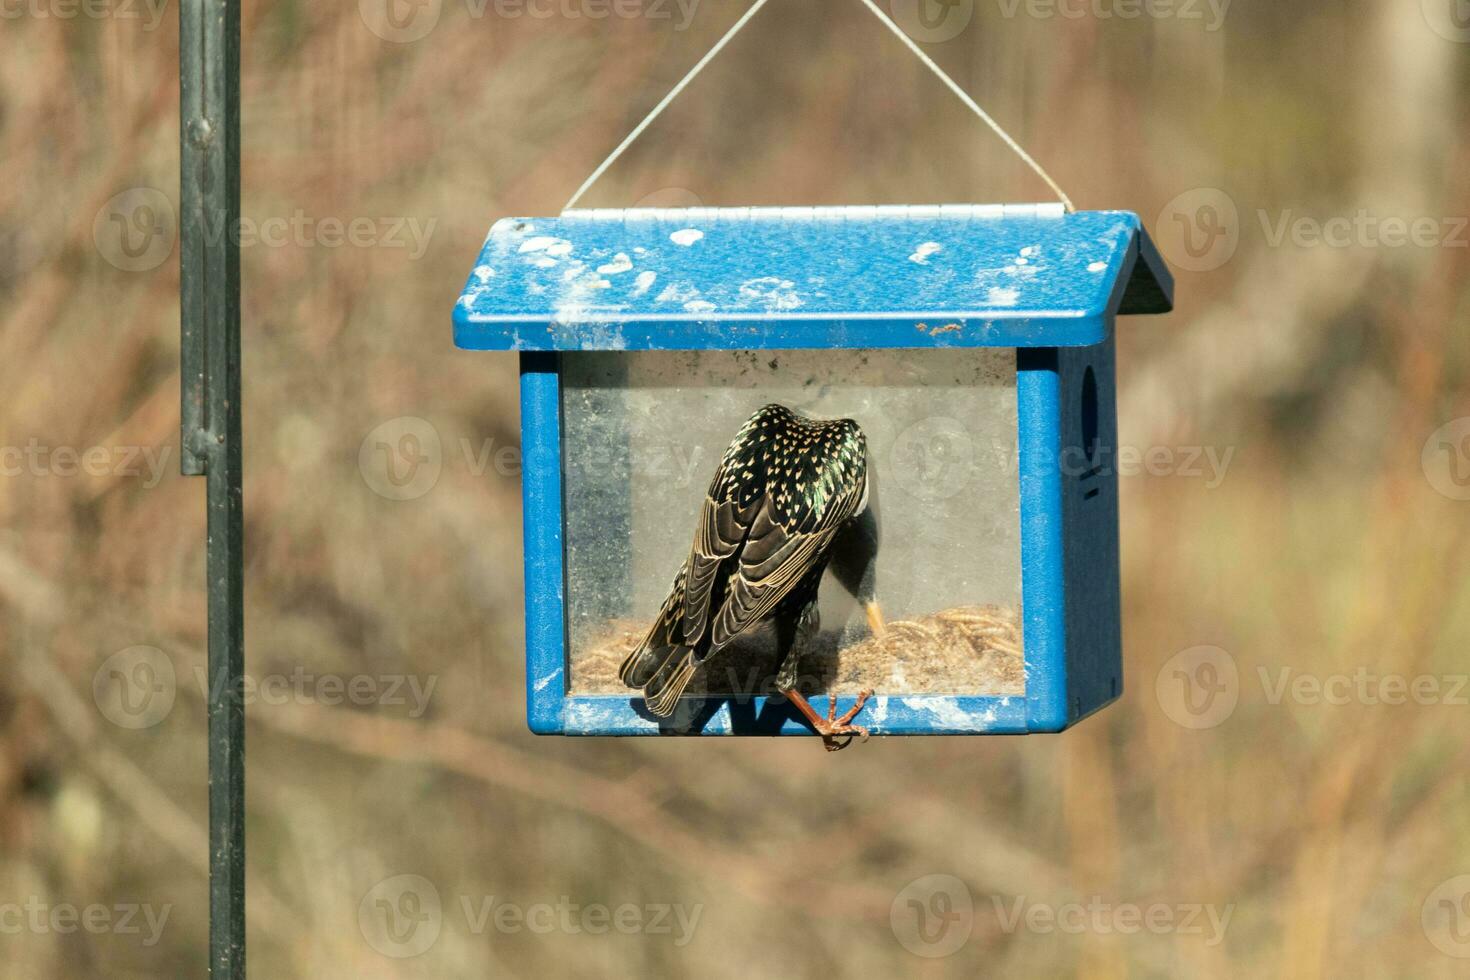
(1325, 549)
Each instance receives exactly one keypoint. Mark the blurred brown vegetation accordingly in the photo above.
(1325, 549)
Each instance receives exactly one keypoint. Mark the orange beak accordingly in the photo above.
(875, 617)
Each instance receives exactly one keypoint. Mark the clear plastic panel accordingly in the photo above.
(644, 431)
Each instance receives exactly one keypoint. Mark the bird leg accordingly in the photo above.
(831, 728)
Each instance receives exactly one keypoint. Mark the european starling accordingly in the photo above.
(783, 492)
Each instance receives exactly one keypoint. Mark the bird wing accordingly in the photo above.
(773, 561)
(724, 522)
(756, 540)
(782, 547)
(661, 641)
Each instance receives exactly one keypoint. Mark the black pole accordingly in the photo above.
(209, 296)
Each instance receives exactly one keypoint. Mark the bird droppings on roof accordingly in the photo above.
(620, 263)
(582, 294)
(686, 236)
(1003, 296)
(676, 293)
(772, 292)
(922, 253)
(555, 247)
(644, 282)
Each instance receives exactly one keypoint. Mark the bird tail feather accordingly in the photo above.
(663, 690)
(663, 672)
(661, 665)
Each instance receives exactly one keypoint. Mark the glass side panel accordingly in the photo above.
(644, 433)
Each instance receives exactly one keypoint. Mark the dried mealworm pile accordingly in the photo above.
(966, 650)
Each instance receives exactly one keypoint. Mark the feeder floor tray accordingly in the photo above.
(966, 650)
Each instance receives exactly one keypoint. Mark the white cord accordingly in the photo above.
(965, 98)
(673, 94)
(887, 22)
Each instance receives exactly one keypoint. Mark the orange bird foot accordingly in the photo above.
(832, 728)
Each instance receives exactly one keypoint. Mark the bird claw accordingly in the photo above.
(831, 728)
(835, 728)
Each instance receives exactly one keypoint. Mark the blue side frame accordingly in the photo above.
(545, 557)
(1056, 693)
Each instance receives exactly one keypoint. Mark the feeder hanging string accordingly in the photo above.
(887, 22)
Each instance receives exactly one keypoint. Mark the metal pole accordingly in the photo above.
(209, 296)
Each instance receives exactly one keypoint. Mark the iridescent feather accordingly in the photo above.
(783, 489)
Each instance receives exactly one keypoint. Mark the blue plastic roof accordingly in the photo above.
(768, 278)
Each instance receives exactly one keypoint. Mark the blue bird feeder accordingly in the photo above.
(974, 346)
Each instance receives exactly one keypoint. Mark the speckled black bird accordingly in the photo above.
(782, 493)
